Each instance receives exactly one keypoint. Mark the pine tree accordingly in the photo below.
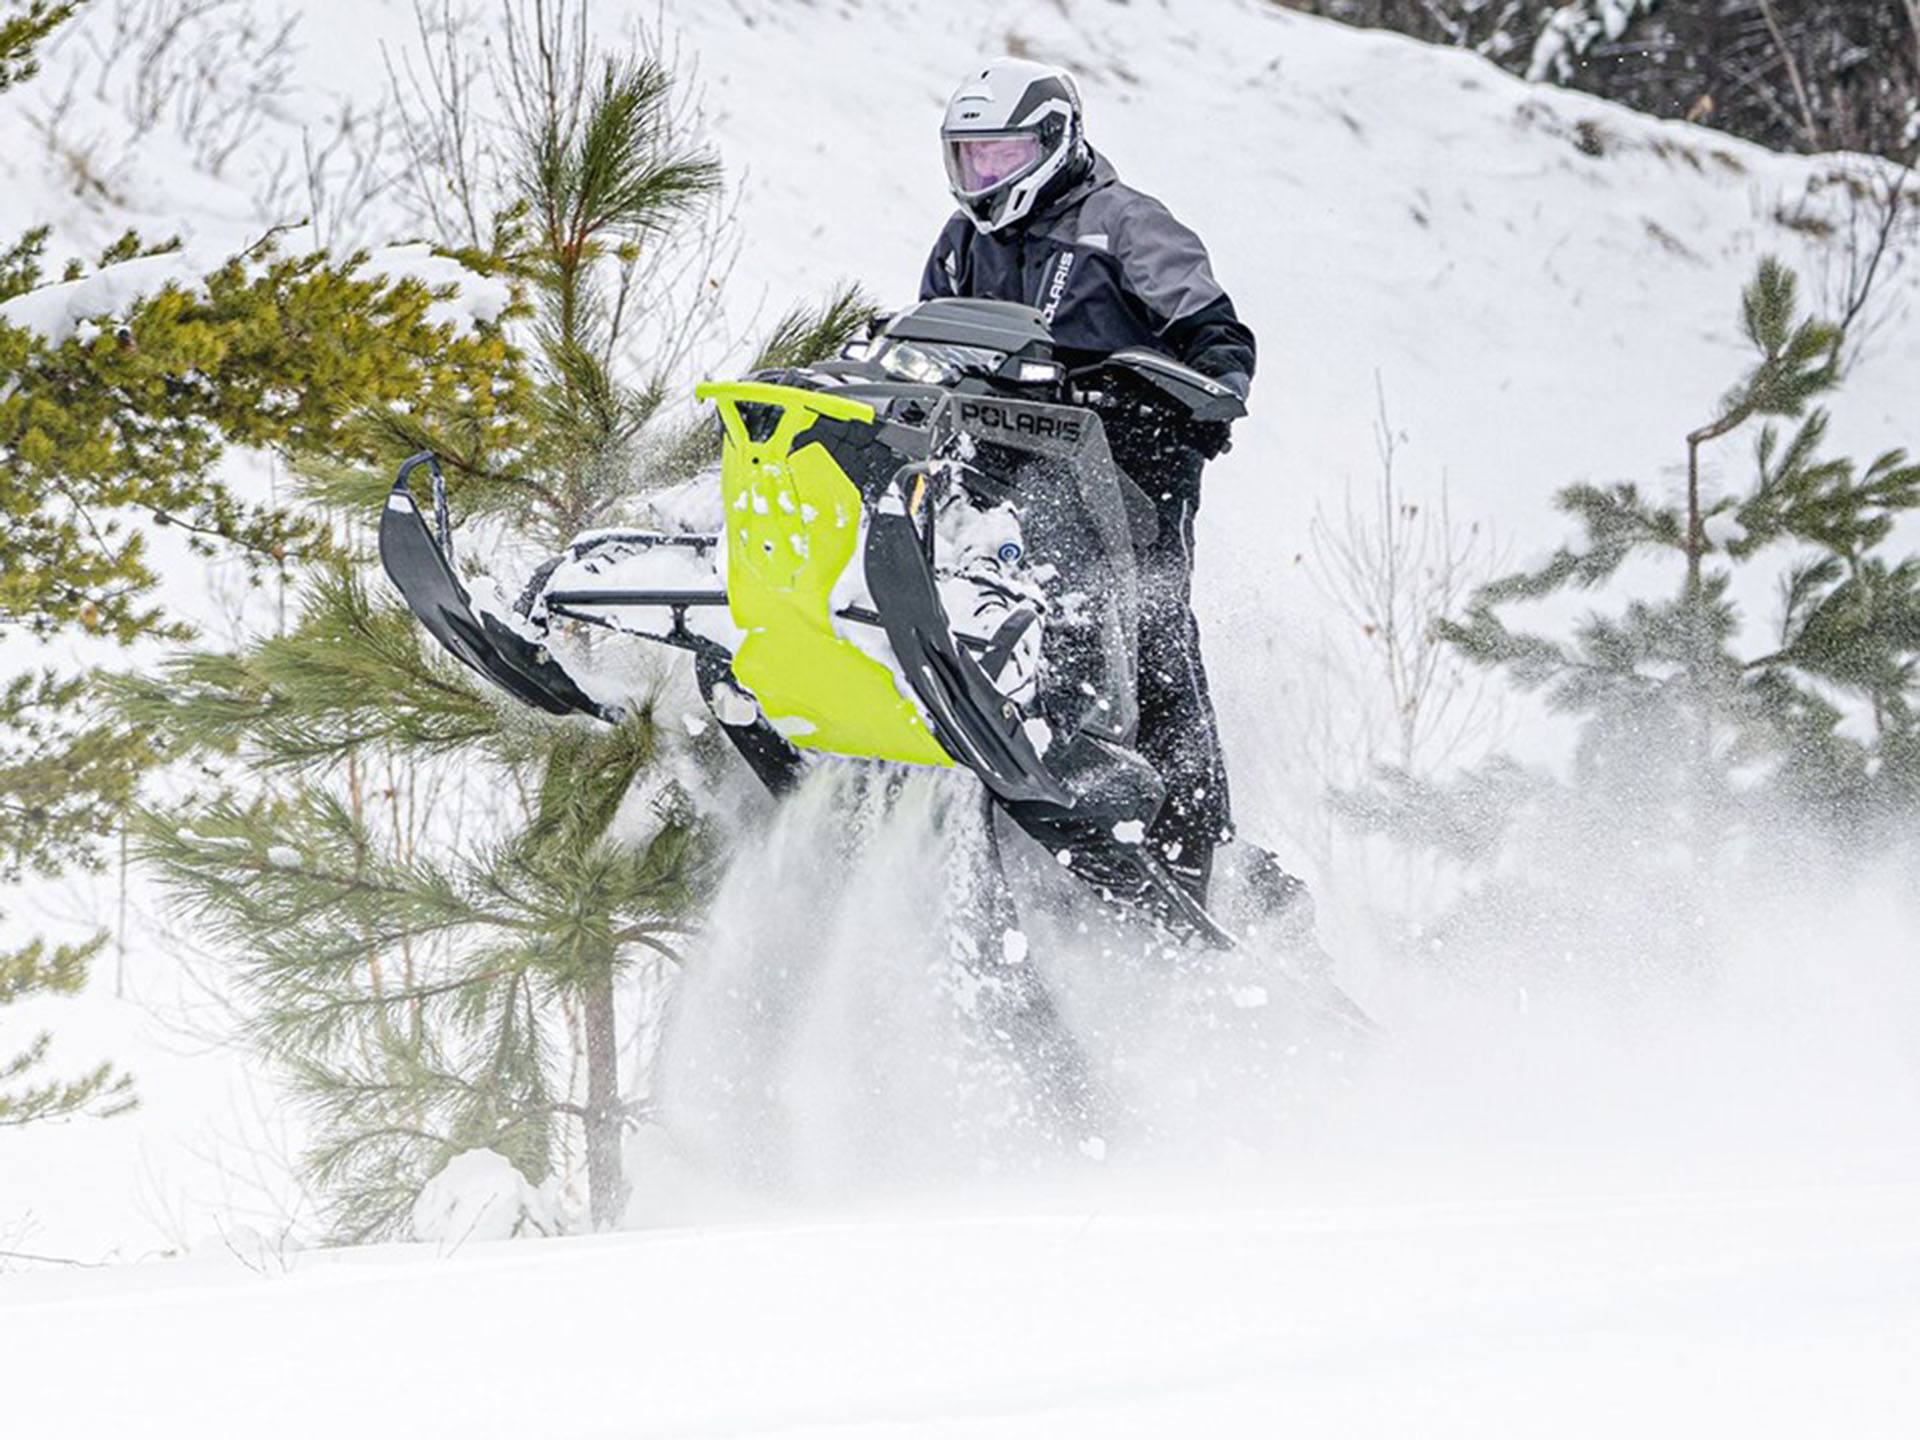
(430, 986)
(407, 977)
(1674, 667)
(1695, 730)
(106, 437)
(112, 432)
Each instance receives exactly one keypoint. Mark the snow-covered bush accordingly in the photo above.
(1570, 30)
(479, 1195)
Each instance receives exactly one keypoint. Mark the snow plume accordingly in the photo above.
(1595, 1012)
(1784, 1058)
(865, 1015)
(847, 1020)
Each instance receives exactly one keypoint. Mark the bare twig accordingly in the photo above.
(1864, 273)
(452, 177)
(1809, 126)
(49, 1259)
(1394, 572)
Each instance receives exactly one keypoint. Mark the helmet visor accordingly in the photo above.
(977, 164)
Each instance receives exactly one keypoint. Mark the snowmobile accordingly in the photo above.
(924, 554)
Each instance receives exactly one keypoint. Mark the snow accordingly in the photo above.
(477, 299)
(733, 706)
(1527, 1215)
(57, 312)
(480, 1196)
(1784, 1312)
(603, 560)
(1572, 28)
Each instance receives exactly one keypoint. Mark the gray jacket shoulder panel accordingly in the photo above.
(1164, 262)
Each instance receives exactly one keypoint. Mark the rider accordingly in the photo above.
(1045, 221)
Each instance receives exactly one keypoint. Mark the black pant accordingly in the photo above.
(1178, 733)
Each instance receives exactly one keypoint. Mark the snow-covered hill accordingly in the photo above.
(1525, 1221)
(1784, 1313)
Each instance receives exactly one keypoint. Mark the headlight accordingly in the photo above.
(927, 363)
(910, 362)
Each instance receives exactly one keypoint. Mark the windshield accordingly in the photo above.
(1052, 463)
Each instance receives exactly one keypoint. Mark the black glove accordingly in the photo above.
(1215, 437)
(1211, 438)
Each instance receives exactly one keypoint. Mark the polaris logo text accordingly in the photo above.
(1059, 287)
(984, 415)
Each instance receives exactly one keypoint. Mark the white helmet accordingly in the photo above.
(1012, 130)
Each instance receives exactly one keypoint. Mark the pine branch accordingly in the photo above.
(351, 676)
(21, 34)
(102, 1092)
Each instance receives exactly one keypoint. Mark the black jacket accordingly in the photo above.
(1109, 267)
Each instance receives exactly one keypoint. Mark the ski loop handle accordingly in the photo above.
(442, 522)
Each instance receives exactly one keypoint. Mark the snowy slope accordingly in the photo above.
(1525, 1220)
(1769, 1314)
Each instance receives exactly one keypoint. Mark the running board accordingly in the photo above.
(574, 605)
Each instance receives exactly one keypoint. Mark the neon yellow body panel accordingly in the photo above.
(793, 527)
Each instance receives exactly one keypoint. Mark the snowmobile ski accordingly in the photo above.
(420, 566)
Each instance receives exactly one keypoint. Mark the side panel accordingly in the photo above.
(793, 526)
